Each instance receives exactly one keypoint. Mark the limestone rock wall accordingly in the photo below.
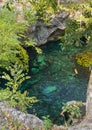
(41, 33)
(89, 99)
(29, 121)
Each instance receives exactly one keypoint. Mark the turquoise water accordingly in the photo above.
(54, 80)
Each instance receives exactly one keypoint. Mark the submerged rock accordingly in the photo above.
(49, 89)
(42, 33)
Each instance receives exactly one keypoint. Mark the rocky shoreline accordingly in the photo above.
(12, 119)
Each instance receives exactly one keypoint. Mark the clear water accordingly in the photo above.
(54, 80)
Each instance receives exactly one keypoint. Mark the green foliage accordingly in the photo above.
(87, 8)
(72, 30)
(47, 123)
(40, 10)
(14, 59)
(77, 25)
(30, 16)
(84, 59)
(12, 93)
(40, 7)
(18, 100)
(33, 44)
(15, 78)
(90, 3)
(11, 50)
(72, 110)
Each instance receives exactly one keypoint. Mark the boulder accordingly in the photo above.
(29, 121)
(42, 33)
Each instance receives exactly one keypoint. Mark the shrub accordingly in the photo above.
(84, 59)
(72, 111)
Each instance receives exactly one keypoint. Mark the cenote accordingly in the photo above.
(54, 80)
